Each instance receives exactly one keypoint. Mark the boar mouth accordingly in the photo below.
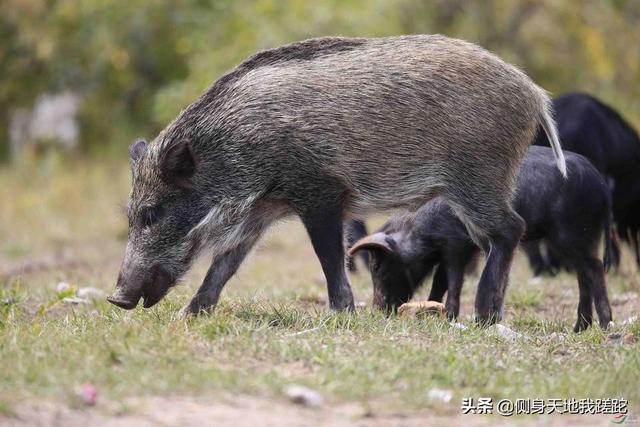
(149, 300)
(157, 288)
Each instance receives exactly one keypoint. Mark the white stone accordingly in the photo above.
(440, 394)
(75, 301)
(558, 336)
(536, 280)
(90, 293)
(505, 332)
(62, 286)
(303, 396)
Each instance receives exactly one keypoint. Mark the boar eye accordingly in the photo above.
(151, 215)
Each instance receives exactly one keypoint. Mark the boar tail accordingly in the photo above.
(549, 127)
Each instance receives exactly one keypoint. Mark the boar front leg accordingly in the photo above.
(325, 228)
(455, 279)
(220, 271)
(497, 229)
(493, 282)
(448, 279)
(456, 263)
(439, 285)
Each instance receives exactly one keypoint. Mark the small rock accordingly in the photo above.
(615, 336)
(622, 338)
(62, 286)
(457, 325)
(306, 331)
(536, 280)
(505, 332)
(75, 301)
(361, 304)
(87, 394)
(90, 293)
(630, 320)
(303, 396)
(414, 309)
(558, 336)
(440, 394)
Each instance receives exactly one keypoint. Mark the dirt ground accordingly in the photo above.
(243, 410)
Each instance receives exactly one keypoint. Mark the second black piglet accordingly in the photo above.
(568, 215)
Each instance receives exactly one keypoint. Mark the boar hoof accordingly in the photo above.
(194, 309)
(348, 307)
(485, 320)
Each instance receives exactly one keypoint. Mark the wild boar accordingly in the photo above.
(330, 129)
(569, 215)
(594, 129)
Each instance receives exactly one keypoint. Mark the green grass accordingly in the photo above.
(525, 298)
(259, 347)
(272, 327)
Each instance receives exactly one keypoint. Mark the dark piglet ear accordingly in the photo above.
(177, 163)
(136, 150)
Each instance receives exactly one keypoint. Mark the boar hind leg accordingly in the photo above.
(593, 289)
(578, 246)
(497, 232)
(536, 261)
(325, 228)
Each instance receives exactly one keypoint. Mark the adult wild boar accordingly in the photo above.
(329, 129)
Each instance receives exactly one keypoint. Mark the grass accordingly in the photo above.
(272, 327)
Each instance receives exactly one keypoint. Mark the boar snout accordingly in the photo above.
(125, 295)
(123, 301)
(150, 284)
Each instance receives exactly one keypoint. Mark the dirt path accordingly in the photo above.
(242, 410)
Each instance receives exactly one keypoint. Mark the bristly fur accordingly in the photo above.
(332, 128)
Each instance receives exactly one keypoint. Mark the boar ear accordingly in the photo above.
(177, 163)
(136, 150)
(378, 240)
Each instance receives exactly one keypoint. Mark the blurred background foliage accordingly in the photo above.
(136, 64)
